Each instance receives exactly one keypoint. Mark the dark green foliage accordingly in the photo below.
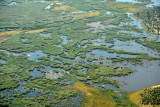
(151, 96)
(8, 83)
(16, 68)
(150, 18)
(101, 73)
(42, 84)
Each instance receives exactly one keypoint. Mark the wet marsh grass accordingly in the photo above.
(75, 30)
(6, 34)
(27, 15)
(64, 8)
(124, 6)
(85, 15)
(94, 97)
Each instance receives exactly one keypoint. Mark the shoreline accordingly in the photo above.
(135, 97)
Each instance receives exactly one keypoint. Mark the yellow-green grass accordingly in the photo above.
(106, 22)
(52, 2)
(6, 34)
(94, 97)
(137, 99)
(124, 7)
(35, 31)
(85, 15)
(64, 8)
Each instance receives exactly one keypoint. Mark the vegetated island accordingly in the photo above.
(147, 97)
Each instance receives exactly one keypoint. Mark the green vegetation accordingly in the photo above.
(65, 33)
(150, 19)
(43, 84)
(146, 97)
(94, 96)
(126, 7)
(101, 73)
(101, 70)
(111, 35)
(8, 83)
(132, 28)
(35, 41)
(27, 15)
(145, 1)
(150, 44)
(151, 96)
(16, 68)
(47, 99)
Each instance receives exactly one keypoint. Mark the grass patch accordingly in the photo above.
(94, 97)
(150, 44)
(124, 6)
(6, 34)
(52, 50)
(85, 15)
(64, 8)
(27, 15)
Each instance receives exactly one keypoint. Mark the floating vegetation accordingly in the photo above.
(94, 96)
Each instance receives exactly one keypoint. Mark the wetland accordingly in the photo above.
(79, 53)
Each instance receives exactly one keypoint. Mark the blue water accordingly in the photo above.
(108, 12)
(129, 1)
(104, 54)
(35, 55)
(49, 6)
(2, 61)
(146, 75)
(24, 39)
(65, 40)
(79, 12)
(155, 3)
(132, 46)
(12, 3)
(45, 34)
(35, 72)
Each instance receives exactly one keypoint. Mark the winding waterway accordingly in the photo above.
(146, 74)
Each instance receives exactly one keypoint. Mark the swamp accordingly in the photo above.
(79, 53)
